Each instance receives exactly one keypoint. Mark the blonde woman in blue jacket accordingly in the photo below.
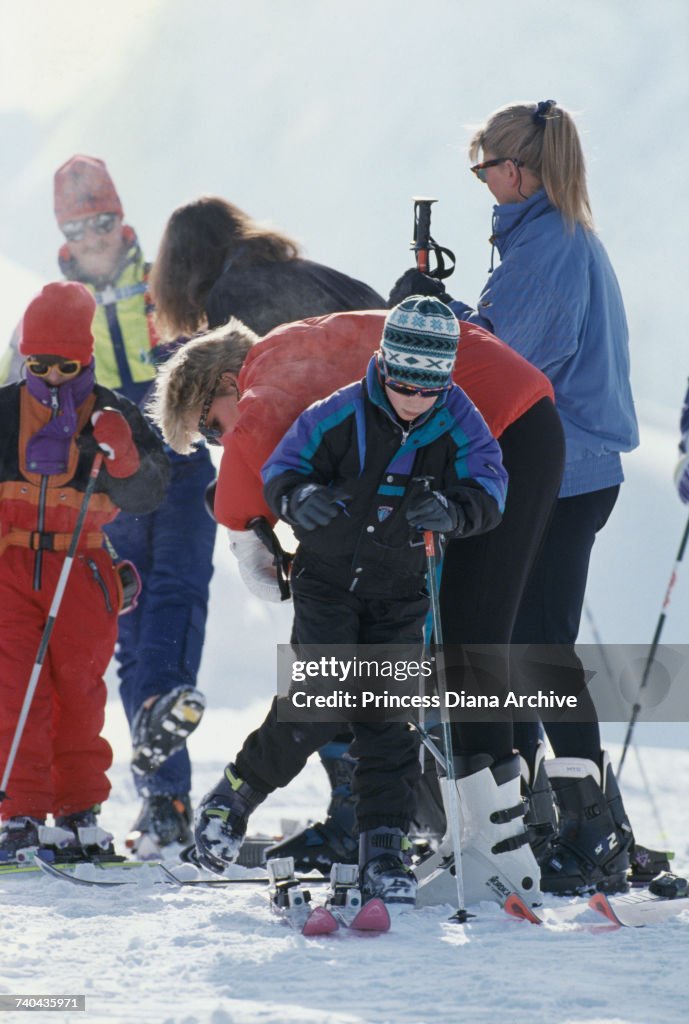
(555, 299)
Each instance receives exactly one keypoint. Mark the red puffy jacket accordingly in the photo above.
(299, 363)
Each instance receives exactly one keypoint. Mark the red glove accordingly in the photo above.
(114, 436)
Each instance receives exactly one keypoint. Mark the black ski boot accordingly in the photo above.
(19, 838)
(222, 819)
(164, 819)
(160, 728)
(384, 868)
(645, 864)
(335, 840)
(78, 836)
(428, 824)
(591, 850)
(541, 813)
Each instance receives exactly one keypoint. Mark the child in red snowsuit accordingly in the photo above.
(52, 424)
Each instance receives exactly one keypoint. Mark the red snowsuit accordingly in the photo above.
(62, 759)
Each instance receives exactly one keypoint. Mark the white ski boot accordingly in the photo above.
(496, 857)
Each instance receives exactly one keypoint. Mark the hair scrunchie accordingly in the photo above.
(542, 110)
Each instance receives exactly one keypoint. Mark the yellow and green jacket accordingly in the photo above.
(123, 328)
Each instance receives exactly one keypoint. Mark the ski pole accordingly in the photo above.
(453, 797)
(50, 622)
(611, 676)
(654, 645)
(424, 244)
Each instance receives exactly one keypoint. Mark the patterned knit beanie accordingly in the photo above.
(419, 343)
(84, 188)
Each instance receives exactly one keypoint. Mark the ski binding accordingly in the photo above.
(290, 901)
(346, 905)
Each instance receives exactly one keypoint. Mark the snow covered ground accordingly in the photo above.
(162, 956)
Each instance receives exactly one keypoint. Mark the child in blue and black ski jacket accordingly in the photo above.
(359, 476)
(346, 477)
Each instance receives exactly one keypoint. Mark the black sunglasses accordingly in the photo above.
(101, 224)
(410, 390)
(480, 169)
(212, 435)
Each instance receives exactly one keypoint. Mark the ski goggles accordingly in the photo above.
(410, 391)
(480, 169)
(65, 367)
(100, 224)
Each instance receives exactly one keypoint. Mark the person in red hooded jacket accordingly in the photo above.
(53, 424)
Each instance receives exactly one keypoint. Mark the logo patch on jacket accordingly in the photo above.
(383, 512)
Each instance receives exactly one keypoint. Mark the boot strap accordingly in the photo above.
(509, 814)
(513, 843)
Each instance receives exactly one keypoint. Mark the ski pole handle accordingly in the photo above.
(424, 244)
(422, 233)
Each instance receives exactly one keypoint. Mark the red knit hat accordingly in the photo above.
(58, 322)
(83, 188)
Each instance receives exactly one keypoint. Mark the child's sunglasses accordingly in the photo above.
(41, 368)
(409, 390)
(101, 224)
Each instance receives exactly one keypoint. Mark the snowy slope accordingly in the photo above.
(190, 957)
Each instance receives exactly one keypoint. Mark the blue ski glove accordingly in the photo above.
(313, 505)
(413, 282)
(432, 511)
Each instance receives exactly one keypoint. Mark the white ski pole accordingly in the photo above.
(453, 797)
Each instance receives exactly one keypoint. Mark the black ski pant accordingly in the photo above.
(550, 613)
(484, 578)
(387, 771)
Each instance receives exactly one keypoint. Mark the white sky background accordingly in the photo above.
(73, 46)
(324, 118)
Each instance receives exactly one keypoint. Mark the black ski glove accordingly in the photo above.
(413, 282)
(209, 499)
(432, 511)
(313, 505)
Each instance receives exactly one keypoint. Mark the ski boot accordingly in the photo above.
(164, 819)
(428, 823)
(496, 856)
(78, 837)
(19, 838)
(332, 841)
(222, 818)
(645, 864)
(161, 727)
(591, 850)
(385, 870)
(541, 813)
